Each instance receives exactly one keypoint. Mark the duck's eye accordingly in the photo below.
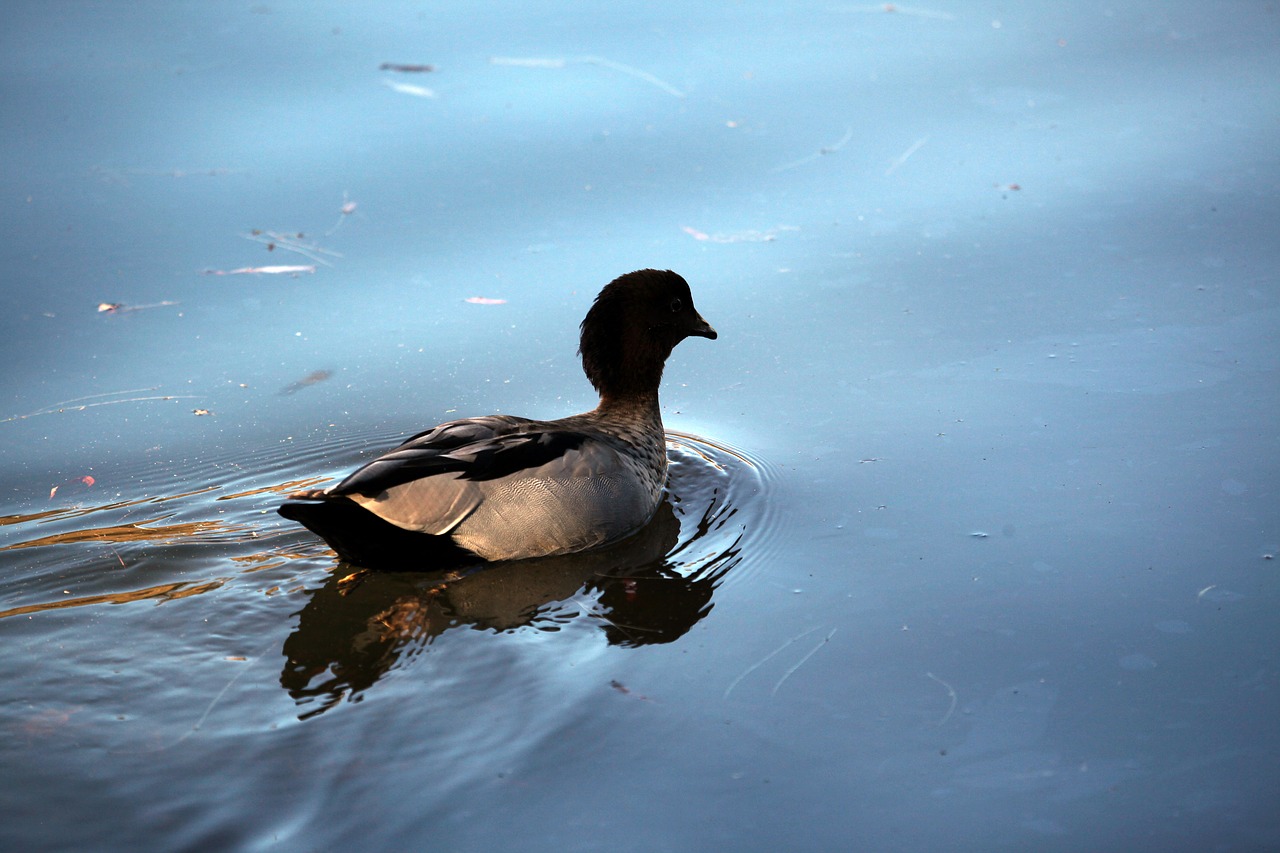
(676, 304)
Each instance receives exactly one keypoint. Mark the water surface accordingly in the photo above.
(971, 530)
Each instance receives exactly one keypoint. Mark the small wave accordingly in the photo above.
(722, 496)
(714, 527)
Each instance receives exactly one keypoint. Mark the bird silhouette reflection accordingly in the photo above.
(357, 626)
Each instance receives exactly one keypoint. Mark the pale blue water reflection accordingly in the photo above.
(997, 294)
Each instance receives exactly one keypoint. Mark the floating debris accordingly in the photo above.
(293, 243)
(905, 155)
(738, 236)
(541, 62)
(121, 308)
(526, 62)
(410, 89)
(348, 208)
(768, 658)
(895, 9)
(276, 270)
(306, 381)
(484, 300)
(73, 486)
(406, 69)
(121, 176)
(626, 691)
(801, 662)
(78, 404)
(821, 152)
(951, 693)
(1214, 593)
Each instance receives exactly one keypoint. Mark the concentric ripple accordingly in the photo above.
(159, 544)
(650, 588)
(722, 497)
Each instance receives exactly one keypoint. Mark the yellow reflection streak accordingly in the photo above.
(77, 511)
(35, 516)
(130, 533)
(163, 592)
(285, 488)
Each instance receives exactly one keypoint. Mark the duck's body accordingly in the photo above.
(506, 488)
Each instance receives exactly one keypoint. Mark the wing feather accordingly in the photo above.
(578, 499)
(474, 449)
(435, 480)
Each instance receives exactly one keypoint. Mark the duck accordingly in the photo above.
(498, 487)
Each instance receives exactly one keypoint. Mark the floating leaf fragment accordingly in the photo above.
(201, 412)
(73, 486)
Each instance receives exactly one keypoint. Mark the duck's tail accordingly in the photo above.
(361, 538)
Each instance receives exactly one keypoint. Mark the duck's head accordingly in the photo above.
(635, 323)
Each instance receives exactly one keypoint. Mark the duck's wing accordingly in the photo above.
(435, 480)
(475, 449)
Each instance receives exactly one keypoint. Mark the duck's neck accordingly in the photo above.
(626, 371)
(630, 408)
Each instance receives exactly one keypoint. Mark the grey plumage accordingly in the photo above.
(502, 487)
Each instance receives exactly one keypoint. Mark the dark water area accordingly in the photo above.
(970, 537)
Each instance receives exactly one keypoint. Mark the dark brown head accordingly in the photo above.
(635, 323)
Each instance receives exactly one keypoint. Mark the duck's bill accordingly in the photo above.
(703, 329)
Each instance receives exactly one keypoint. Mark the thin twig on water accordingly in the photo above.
(121, 308)
(249, 661)
(75, 404)
(902, 158)
(634, 72)
(801, 662)
(549, 62)
(766, 659)
(951, 693)
(895, 9)
(276, 240)
(821, 152)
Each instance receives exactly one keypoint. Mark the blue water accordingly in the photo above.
(971, 535)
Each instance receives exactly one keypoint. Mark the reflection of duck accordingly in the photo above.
(506, 488)
(354, 629)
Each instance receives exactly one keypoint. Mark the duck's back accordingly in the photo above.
(509, 488)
